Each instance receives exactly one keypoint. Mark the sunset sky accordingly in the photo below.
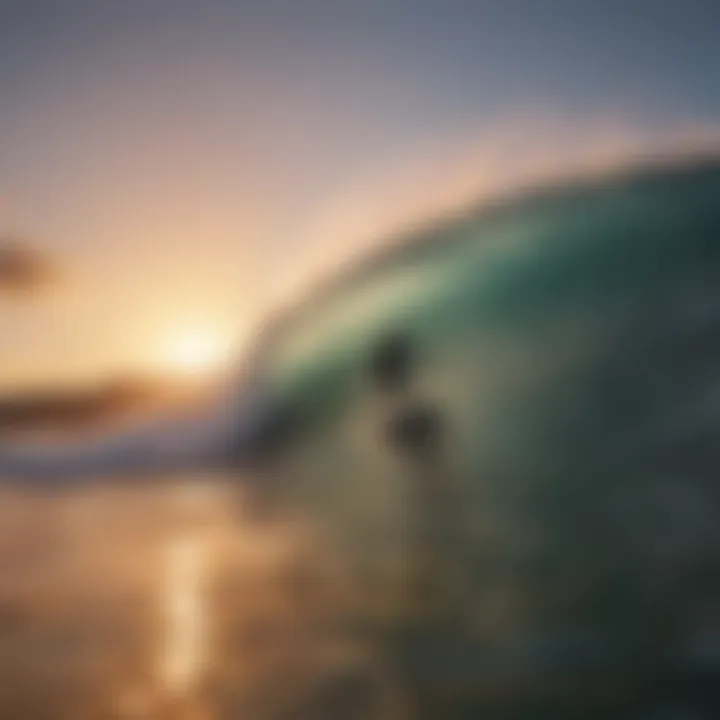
(184, 161)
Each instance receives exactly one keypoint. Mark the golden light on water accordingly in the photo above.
(184, 646)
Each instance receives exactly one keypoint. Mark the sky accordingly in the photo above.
(184, 162)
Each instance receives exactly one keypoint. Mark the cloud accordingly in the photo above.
(23, 268)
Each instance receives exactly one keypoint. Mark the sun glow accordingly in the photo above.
(196, 351)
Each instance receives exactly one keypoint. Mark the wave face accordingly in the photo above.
(567, 347)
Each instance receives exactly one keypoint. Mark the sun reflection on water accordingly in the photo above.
(184, 647)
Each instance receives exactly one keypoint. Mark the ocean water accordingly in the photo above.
(162, 601)
(569, 373)
(169, 600)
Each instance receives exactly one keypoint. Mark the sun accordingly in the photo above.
(196, 352)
